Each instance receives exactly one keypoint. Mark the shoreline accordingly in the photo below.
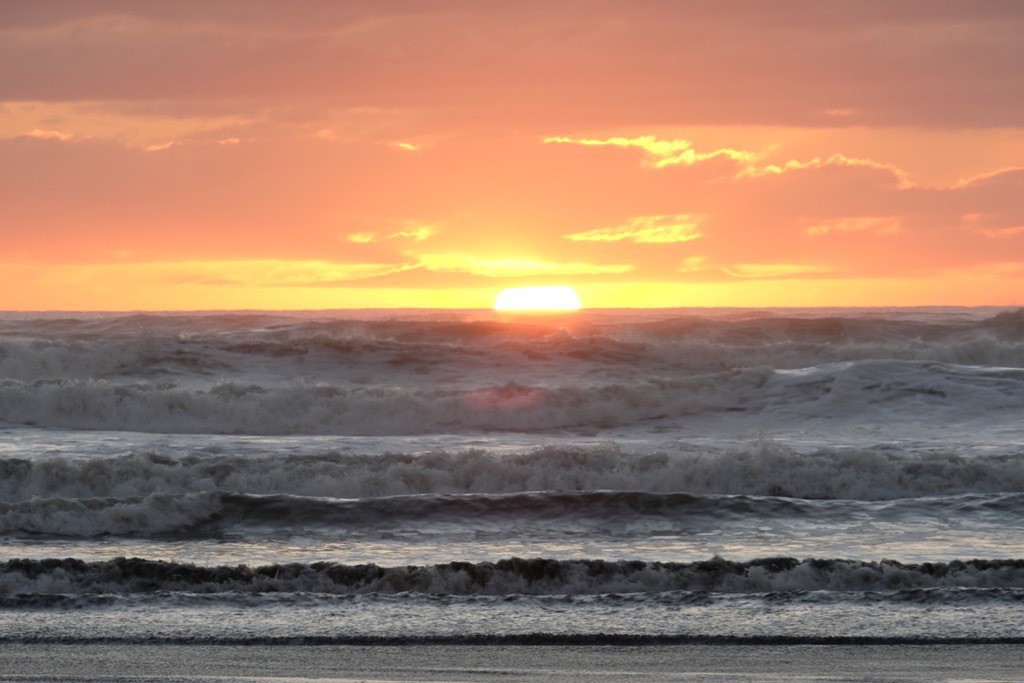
(690, 662)
(524, 640)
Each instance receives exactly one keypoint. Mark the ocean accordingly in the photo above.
(609, 477)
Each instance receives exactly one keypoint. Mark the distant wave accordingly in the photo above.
(511, 640)
(942, 596)
(949, 393)
(507, 577)
(722, 325)
(765, 468)
(214, 347)
(214, 513)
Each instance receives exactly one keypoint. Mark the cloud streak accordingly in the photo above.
(269, 272)
(412, 231)
(667, 229)
(663, 153)
(873, 225)
(763, 271)
(504, 268)
(40, 134)
(901, 176)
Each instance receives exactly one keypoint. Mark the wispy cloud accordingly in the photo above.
(988, 176)
(1004, 233)
(329, 135)
(993, 225)
(417, 232)
(874, 225)
(902, 177)
(660, 229)
(514, 267)
(161, 147)
(273, 273)
(125, 124)
(411, 230)
(48, 135)
(773, 270)
(674, 152)
(694, 264)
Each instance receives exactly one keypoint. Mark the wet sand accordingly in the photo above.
(108, 662)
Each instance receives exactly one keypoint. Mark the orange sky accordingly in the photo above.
(259, 154)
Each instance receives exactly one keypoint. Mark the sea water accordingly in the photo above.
(812, 475)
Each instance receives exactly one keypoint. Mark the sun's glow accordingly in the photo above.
(539, 299)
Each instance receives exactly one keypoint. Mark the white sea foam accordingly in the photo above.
(275, 349)
(414, 438)
(765, 467)
(924, 392)
(596, 513)
(507, 577)
(86, 517)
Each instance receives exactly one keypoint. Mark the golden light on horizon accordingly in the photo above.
(451, 174)
(538, 299)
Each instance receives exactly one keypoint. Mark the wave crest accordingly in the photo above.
(507, 577)
(950, 392)
(766, 468)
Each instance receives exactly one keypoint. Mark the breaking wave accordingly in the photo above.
(172, 347)
(214, 513)
(765, 468)
(506, 577)
(950, 392)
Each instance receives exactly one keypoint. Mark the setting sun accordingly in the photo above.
(560, 298)
(318, 315)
